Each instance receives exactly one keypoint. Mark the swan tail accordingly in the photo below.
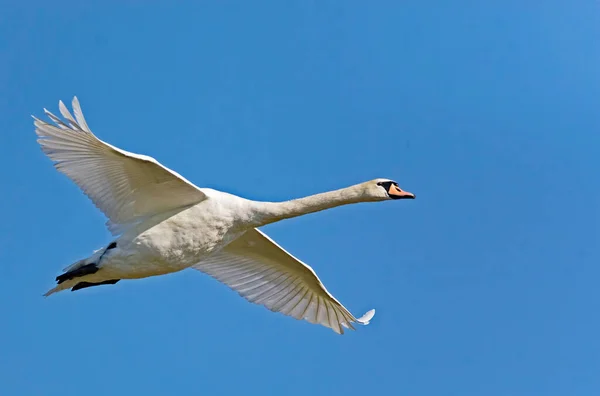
(75, 274)
(77, 283)
(61, 287)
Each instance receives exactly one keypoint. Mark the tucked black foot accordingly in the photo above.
(83, 285)
(81, 271)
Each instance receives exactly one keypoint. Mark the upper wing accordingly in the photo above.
(123, 185)
(263, 273)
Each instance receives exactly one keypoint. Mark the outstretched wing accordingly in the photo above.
(125, 186)
(264, 273)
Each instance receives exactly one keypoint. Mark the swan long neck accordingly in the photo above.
(270, 212)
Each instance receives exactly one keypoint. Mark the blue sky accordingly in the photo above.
(486, 284)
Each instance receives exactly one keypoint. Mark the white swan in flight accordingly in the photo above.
(163, 223)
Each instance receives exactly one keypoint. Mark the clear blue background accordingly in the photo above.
(486, 284)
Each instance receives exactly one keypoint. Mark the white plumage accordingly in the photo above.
(164, 223)
(264, 273)
(119, 183)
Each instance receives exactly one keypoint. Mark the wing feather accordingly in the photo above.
(126, 187)
(264, 273)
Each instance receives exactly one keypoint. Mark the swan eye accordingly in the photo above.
(386, 185)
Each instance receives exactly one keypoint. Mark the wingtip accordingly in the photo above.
(366, 318)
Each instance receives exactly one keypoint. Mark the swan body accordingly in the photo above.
(163, 223)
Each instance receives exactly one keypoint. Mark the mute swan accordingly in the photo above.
(163, 223)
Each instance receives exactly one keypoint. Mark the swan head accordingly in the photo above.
(386, 189)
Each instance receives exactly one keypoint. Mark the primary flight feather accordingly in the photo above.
(163, 223)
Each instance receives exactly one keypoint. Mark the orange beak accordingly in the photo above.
(396, 192)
